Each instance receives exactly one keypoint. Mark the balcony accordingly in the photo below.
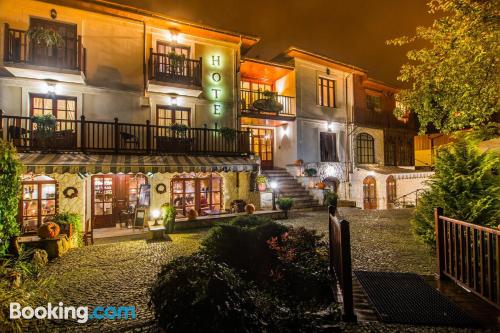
(260, 104)
(114, 137)
(24, 58)
(172, 73)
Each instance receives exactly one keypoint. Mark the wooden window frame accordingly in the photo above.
(330, 99)
(372, 106)
(174, 46)
(172, 108)
(39, 184)
(324, 156)
(365, 149)
(54, 99)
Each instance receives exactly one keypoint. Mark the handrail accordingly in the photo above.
(469, 255)
(164, 68)
(116, 137)
(340, 261)
(248, 97)
(417, 191)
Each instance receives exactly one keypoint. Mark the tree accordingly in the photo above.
(10, 190)
(454, 79)
(466, 184)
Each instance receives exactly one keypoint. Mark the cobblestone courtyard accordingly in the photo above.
(121, 273)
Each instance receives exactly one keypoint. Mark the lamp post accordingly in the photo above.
(155, 214)
(274, 186)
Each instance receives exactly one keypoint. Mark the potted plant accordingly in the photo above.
(330, 199)
(179, 130)
(176, 62)
(169, 213)
(45, 36)
(261, 181)
(310, 172)
(68, 223)
(228, 133)
(285, 204)
(269, 103)
(44, 130)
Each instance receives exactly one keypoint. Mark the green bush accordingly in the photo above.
(244, 248)
(310, 172)
(285, 204)
(10, 191)
(330, 198)
(169, 213)
(466, 184)
(196, 294)
(74, 220)
(249, 221)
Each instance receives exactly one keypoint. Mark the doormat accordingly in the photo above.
(406, 298)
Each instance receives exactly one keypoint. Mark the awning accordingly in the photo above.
(83, 163)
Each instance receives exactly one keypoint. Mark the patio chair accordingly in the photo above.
(88, 234)
(17, 134)
(129, 139)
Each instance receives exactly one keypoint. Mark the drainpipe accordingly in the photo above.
(347, 144)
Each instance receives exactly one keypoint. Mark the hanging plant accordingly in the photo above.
(179, 129)
(228, 133)
(45, 36)
(269, 103)
(176, 60)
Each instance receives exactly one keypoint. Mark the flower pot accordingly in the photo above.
(262, 187)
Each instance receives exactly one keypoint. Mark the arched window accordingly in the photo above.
(38, 203)
(202, 192)
(365, 148)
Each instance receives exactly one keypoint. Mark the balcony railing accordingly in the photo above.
(383, 118)
(248, 98)
(115, 137)
(20, 49)
(165, 68)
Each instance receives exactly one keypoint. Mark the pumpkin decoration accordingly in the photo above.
(192, 214)
(250, 208)
(48, 230)
(321, 185)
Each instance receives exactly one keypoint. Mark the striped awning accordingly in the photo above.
(83, 163)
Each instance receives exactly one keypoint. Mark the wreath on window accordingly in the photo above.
(70, 192)
(161, 188)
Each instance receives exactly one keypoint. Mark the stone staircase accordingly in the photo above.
(290, 187)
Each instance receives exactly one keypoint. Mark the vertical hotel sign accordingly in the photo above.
(216, 78)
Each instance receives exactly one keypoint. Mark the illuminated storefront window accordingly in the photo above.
(39, 202)
(201, 192)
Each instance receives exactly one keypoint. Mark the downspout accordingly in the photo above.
(144, 69)
(347, 188)
(236, 86)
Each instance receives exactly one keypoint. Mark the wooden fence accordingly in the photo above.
(469, 255)
(340, 261)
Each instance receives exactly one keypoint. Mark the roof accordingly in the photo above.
(135, 13)
(295, 52)
(398, 172)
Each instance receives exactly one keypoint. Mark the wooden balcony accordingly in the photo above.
(383, 119)
(114, 137)
(249, 107)
(19, 49)
(165, 68)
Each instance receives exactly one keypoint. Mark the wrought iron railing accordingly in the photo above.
(248, 97)
(174, 69)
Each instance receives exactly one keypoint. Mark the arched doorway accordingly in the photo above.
(390, 184)
(369, 193)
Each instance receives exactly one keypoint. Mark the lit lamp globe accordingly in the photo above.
(155, 214)
(274, 185)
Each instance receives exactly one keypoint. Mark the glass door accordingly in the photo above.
(262, 145)
(103, 201)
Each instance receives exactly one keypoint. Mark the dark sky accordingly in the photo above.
(351, 31)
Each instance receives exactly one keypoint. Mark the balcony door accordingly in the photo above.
(262, 145)
(61, 56)
(369, 193)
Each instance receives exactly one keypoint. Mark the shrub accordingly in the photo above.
(10, 191)
(74, 220)
(310, 172)
(248, 221)
(285, 204)
(244, 248)
(169, 213)
(466, 184)
(330, 199)
(196, 294)
(261, 179)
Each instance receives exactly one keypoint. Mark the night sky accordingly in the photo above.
(351, 31)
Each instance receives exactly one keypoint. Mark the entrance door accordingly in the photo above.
(103, 201)
(112, 194)
(369, 193)
(262, 145)
(391, 191)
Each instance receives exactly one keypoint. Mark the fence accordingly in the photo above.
(469, 255)
(340, 260)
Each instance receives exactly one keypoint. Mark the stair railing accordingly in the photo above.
(404, 199)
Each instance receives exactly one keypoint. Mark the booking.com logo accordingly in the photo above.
(80, 314)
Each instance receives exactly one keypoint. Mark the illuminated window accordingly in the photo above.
(166, 48)
(38, 202)
(365, 148)
(326, 92)
(61, 107)
(373, 103)
(167, 115)
(201, 192)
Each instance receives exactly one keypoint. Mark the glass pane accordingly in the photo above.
(47, 104)
(190, 186)
(30, 192)
(30, 208)
(61, 104)
(48, 207)
(98, 209)
(48, 191)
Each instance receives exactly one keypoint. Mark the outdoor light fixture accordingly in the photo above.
(173, 100)
(50, 88)
(331, 126)
(274, 187)
(155, 214)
